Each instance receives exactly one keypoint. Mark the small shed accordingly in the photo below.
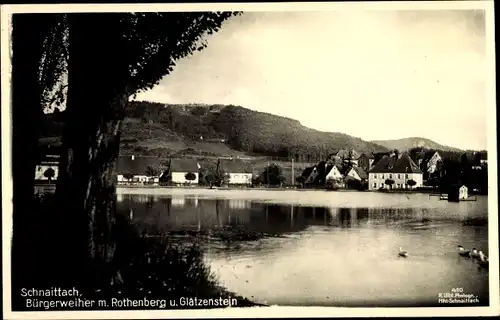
(463, 193)
(457, 192)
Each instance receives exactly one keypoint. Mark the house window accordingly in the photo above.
(399, 176)
(407, 176)
(382, 176)
(390, 176)
(374, 185)
(375, 176)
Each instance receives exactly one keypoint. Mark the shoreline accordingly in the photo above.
(289, 189)
(294, 197)
(134, 189)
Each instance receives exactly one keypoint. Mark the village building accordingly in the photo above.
(240, 172)
(181, 170)
(400, 169)
(333, 172)
(309, 175)
(366, 160)
(432, 164)
(139, 170)
(377, 156)
(457, 192)
(47, 169)
(356, 173)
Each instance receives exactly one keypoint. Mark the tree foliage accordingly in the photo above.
(53, 63)
(334, 183)
(49, 174)
(212, 176)
(300, 180)
(152, 172)
(272, 175)
(153, 41)
(411, 183)
(117, 55)
(190, 176)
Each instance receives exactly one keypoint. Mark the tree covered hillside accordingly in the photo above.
(232, 127)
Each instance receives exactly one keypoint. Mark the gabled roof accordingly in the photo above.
(379, 155)
(369, 155)
(361, 173)
(49, 146)
(235, 166)
(50, 142)
(330, 167)
(307, 172)
(183, 165)
(394, 165)
(137, 166)
(406, 165)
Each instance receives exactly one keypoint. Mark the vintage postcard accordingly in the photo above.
(249, 160)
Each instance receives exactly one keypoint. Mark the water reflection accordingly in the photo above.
(326, 255)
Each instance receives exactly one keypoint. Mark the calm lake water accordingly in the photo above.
(325, 248)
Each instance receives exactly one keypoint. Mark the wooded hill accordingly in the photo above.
(228, 130)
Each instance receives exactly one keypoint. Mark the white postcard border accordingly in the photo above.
(257, 312)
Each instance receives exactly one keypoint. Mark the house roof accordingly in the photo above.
(183, 165)
(403, 164)
(49, 146)
(330, 168)
(379, 155)
(307, 171)
(137, 166)
(369, 155)
(361, 173)
(235, 166)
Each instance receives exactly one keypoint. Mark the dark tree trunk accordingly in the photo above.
(27, 115)
(86, 188)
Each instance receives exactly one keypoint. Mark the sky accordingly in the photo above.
(370, 74)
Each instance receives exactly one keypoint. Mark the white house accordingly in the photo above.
(433, 161)
(181, 169)
(47, 170)
(240, 172)
(332, 172)
(138, 178)
(138, 170)
(401, 170)
(356, 173)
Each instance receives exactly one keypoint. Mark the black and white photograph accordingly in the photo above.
(249, 160)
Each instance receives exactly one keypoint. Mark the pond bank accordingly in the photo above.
(324, 198)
